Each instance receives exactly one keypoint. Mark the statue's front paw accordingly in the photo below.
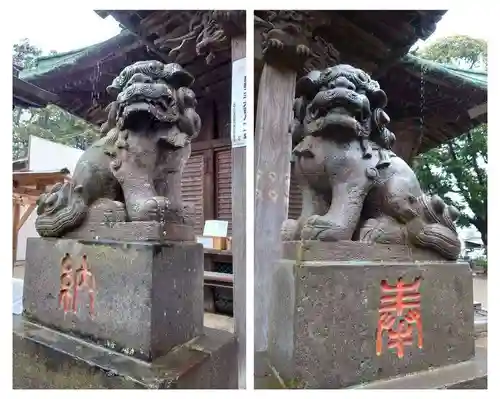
(323, 229)
(289, 230)
(303, 50)
(156, 208)
(275, 43)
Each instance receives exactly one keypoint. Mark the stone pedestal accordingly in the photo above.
(148, 297)
(346, 313)
(44, 358)
(87, 302)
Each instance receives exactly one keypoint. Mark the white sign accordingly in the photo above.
(207, 242)
(239, 104)
(215, 228)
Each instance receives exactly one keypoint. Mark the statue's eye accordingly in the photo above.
(50, 201)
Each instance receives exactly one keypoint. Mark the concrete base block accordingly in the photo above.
(44, 358)
(472, 374)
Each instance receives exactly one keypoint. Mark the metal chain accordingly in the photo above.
(423, 70)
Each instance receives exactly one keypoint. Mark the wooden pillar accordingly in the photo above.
(209, 192)
(272, 181)
(238, 160)
(281, 60)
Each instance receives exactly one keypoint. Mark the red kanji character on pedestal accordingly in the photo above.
(65, 295)
(394, 302)
(84, 279)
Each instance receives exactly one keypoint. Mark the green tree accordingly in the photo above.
(51, 122)
(460, 50)
(457, 170)
(25, 54)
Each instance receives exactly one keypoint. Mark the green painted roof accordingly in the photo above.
(475, 78)
(49, 63)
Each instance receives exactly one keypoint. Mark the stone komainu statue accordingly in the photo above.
(133, 173)
(353, 186)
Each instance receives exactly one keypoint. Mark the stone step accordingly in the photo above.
(44, 358)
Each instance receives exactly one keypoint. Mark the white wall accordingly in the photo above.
(44, 156)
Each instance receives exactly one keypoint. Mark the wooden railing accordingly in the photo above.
(214, 279)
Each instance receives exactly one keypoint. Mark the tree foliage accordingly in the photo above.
(460, 50)
(52, 122)
(24, 54)
(457, 170)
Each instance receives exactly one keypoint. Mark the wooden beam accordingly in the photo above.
(28, 191)
(40, 179)
(408, 141)
(25, 199)
(272, 180)
(238, 171)
(478, 111)
(209, 181)
(431, 79)
(221, 72)
(210, 144)
(162, 56)
(375, 47)
(32, 94)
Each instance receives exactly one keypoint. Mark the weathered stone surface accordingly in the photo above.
(471, 374)
(44, 358)
(148, 298)
(133, 172)
(134, 231)
(353, 185)
(324, 316)
(314, 250)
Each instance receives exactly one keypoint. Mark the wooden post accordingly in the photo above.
(272, 181)
(238, 161)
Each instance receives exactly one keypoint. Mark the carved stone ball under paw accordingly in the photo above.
(155, 208)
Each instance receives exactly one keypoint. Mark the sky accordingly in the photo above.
(459, 22)
(56, 31)
(470, 22)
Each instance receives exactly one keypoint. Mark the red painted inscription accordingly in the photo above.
(74, 282)
(66, 286)
(399, 315)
